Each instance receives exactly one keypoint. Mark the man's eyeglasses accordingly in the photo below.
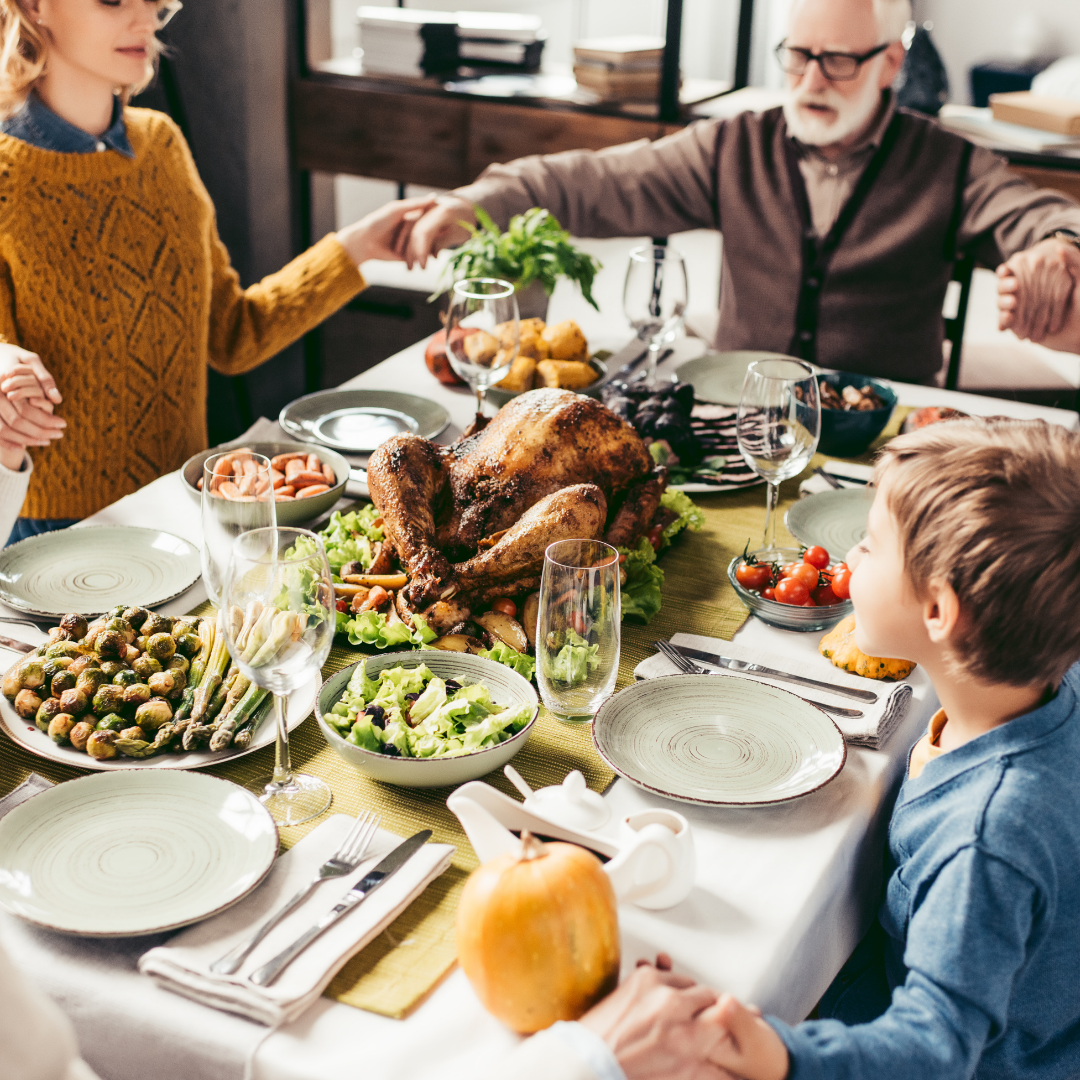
(835, 66)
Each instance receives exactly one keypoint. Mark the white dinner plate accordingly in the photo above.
(718, 740)
(834, 520)
(133, 852)
(26, 734)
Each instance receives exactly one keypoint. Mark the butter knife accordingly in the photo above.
(746, 667)
(18, 646)
(356, 895)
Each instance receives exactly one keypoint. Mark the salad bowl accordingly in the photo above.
(505, 686)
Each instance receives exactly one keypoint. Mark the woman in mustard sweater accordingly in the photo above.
(115, 290)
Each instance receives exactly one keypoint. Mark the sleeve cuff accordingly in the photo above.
(588, 1046)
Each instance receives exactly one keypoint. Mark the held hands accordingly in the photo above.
(1037, 294)
(440, 227)
(27, 396)
(384, 233)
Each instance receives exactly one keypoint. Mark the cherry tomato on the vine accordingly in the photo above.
(656, 536)
(810, 603)
(806, 573)
(841, 583)
(505, 605)
(769, 593)
(752, 575)
(792, 590)
(342, 605)
(816, 556)
(823, 596)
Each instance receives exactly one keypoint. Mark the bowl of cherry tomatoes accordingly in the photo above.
(793, 588)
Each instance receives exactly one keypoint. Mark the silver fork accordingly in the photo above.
(344, 861)
(688, 667)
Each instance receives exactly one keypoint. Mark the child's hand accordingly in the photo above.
(27, 395)
(24, 376)
(750, 1049)
(385, 232)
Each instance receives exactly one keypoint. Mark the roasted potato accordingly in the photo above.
(565, 374)
(481, 347)
(520, 377)
(530, 613)
(505, 629)
(566, 341)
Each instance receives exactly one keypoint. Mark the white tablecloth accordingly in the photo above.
(782, 896)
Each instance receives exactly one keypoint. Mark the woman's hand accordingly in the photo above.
(384, 233)
(27, 396)
(439, 227)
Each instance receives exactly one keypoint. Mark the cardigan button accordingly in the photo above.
(812, 283)
(807, 335)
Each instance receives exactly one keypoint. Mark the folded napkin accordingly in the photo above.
(184, 964)
(848, 473)
(31, 786)
(871, 730)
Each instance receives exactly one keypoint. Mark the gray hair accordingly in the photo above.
(892, 18)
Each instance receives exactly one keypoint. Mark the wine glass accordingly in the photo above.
(778, 426)
(578, 629)
(247, 502)
(654, 298)
(278, 613)
(482, 332)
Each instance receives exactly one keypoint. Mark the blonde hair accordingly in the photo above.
(23, 52)
(993, 508)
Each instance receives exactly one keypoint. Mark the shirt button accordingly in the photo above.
(99, 146)
(813, 282)
(832, 170)
(807, 335)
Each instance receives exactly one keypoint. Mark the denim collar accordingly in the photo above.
(1012, 737)
(36, 124)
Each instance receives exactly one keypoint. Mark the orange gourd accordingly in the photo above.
(538, 934)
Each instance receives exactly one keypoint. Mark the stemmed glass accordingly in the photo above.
(578, 629)
(778, 426)
(654, 298)
(482, 332)
(237, 496)
(279, 616)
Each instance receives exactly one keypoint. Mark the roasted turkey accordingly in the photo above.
(470, 522)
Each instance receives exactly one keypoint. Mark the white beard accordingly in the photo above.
(852, 115)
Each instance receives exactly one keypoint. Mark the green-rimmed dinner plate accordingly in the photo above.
(360, 421)
(88, 570)
(718, 376)
(718, 740)
(836, 520)
(128, 853)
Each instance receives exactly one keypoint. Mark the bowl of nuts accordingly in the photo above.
(854, 411)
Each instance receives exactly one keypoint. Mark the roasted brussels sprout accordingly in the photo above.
(117, 612)
(133, 732)
(74, 627)
(12, 683)
(51, 666)
(60, 727)
(125, 677)
(151, 715)
(146, 666)
(102, 745)
(75, 702)
(50, 707)
(112, 722)
(27, 704)
(137, 693)
(131, 654)
(81, 663)
(31, 673)
(123, 628)
(157, 624)
(112, 668)
(61, 681)
(161, 647)
(108, 699)
(80, 733)
(188, 644)
(186, 624)
(89, 681)
(168, 684)
(135, 617)
(140, 642)
(178, 663)
(110, 644)
(63, 648)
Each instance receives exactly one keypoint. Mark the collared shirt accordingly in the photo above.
(36, 124)
(830, 181)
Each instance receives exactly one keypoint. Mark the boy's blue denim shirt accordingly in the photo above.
(980, 949)
(35, 123)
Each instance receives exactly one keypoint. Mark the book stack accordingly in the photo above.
(620, 68)
(499, 41)
(407, 41)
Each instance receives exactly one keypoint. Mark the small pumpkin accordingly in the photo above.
(838, 645)
(538, 934)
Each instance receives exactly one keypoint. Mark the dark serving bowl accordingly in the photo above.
(848, 434)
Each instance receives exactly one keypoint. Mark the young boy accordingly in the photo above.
(971, 567)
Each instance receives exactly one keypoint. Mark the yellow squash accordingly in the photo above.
(838, 645)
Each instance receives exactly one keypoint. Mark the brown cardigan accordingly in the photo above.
(866, 298)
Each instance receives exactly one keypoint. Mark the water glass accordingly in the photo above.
(237, 496)
(482, 332)
(279, 615)
(578, 629)
(654, 298)
(778, 426)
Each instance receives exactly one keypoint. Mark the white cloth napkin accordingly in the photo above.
(184, 964)
(848, 473)
(872, 729)
(31, 786)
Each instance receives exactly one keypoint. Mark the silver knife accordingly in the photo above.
(771, 673)
(18, 646)
(358, 893)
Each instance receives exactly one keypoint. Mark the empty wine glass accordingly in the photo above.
(482, 332)
(278, 613)
(778, 426)
(237, 496)
(578, 629)
(654, 298)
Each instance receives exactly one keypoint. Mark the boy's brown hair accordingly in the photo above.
(993, 508)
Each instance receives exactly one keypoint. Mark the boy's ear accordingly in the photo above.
(941, 611)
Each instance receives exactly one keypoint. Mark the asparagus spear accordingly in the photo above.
(252, 700)
(242, 739)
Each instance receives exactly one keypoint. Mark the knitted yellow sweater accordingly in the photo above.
(111, 270)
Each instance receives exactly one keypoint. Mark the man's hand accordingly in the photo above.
(384, 233)
(750, 1048)
(27, 395)
(1034, 289)
(650, 1023)
(439, 228)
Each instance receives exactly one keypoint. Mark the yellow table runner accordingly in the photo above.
(401, 967)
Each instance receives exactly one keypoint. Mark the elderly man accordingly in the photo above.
(841, 215)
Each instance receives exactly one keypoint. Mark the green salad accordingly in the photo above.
(411, 712)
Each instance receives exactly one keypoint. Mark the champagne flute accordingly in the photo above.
(278, 613)
(578, 629)
(225, 518)
(654, 298)
(482, 332)
(778, 426)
